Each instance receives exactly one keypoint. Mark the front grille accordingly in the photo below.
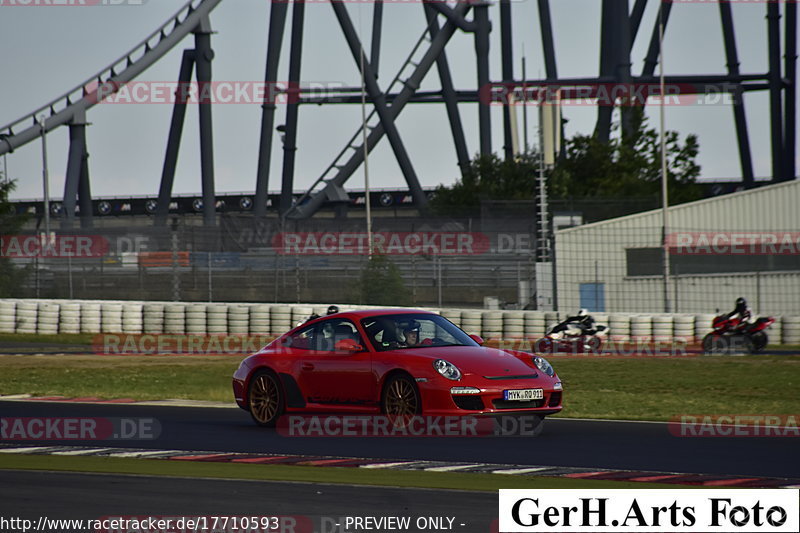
(507, 404)
(555, 399)
(470, 403)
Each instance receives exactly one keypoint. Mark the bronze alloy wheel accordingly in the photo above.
(401, 400)
(266, 398)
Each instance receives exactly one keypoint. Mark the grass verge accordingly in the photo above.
(653, 388)
(310, 474)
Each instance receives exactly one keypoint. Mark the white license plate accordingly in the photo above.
(523, 394)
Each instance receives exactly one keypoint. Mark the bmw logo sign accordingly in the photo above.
(246, 203)
(104, 208)
(197, 204)
(150, 206)
(55, 209)
(386, 199)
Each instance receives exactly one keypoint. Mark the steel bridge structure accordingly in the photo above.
(620, 24)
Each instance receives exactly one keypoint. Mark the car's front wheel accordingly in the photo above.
(265, 398)
(400, 399)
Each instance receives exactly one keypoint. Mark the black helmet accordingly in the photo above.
(741, 303)
(332, 309)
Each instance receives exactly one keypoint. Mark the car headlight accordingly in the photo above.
(543, 365)
(447, 369)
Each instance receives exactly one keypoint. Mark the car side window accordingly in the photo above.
(335, 330)
(301, 340)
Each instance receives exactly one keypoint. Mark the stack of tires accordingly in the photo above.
(153, 318)
(619, 326)
(535, 325)
(132, 318)
(175, 319)
(471, 322)
(111, 314)
(453, 315)
(26, 314)
(238, 320)
(280, 319)
(8, 316)
(259, 319)
(47, 320)
(492, 325)
(663, 328)
(196, 319)
(69, 318)
(551, 318)
(91, 317)
(300, 314)
(703, 325)
(217, 319)
(513, 324)
(641, 328)
(683, 328)
(790, 330)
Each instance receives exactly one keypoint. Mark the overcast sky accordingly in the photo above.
(49, 50)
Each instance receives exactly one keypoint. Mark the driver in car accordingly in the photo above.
(411, 334)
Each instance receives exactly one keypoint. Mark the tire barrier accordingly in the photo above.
(217, 319)
(111, 317)
(153, 319)
(196, 317)
(72, 317)
(69, 320)
(8, 317)
(132, 318)
(238, 320)
(790, 330)
(47, 319)
(175, 319)
(259, 319)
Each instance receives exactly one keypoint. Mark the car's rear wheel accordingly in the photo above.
(265, 398)
(401, 400)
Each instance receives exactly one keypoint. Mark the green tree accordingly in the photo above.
(382, 284)
(628, 165)
(488, 177)
(11, 277)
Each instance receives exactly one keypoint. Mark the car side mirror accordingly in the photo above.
(477, 338)
(348, 345)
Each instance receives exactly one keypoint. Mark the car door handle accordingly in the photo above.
(307, 366)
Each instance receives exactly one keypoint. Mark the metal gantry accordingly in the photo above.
(620, 23)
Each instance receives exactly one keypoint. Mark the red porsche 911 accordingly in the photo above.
(392, 362)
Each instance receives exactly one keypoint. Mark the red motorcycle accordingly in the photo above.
(732, 333)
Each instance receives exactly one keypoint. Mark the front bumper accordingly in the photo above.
(438, 400)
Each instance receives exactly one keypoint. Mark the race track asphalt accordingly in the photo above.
(302, 507)
(601, 444)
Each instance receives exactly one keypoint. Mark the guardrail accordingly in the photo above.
(136, 317)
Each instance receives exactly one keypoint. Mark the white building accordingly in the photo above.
(742, 244)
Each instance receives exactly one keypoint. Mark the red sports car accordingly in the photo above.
(395, 362)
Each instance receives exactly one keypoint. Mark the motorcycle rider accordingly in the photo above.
(742, 313)
(583, 320)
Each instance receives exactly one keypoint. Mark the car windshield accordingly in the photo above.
(404, 331)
